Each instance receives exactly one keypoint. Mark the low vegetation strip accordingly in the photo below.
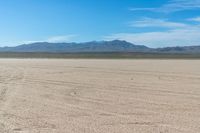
(99, 55)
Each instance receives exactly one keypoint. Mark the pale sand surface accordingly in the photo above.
(99, 96)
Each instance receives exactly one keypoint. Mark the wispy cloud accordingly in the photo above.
(174, 34)
(55, 39)
(64, 38)
(196, 19)
(150, 22)
(142, 9)
(173, 6)
(176, 37)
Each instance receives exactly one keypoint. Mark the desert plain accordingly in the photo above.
(99, 96)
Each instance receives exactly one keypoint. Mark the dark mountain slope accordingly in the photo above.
(103, 46)
(97, 46)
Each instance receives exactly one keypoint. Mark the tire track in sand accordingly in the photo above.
(8, 77)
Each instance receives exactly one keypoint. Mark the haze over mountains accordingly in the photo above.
(97, 46)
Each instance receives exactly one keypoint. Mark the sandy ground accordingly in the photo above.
(99, 96)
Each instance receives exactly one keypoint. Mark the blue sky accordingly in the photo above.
(154, 23)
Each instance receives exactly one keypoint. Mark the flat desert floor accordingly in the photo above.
(99, 96)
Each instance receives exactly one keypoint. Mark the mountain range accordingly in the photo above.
(96, 46)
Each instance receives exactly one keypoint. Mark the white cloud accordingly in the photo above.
(142, 9)
(64, 38)
(54, 39)
(176, 37)
(197, 19)
(173, 6)
(150, 22)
